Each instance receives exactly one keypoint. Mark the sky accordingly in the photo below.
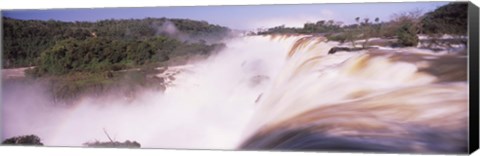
(247, 17)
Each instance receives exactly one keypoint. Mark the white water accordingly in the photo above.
(208, 108)
(212, 106)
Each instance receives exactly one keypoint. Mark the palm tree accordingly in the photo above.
(352, 33)
(366, 20)
(378, 25)
(366, 32)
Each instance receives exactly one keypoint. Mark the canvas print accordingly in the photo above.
(358, 77)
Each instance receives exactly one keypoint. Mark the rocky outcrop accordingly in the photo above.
(346, 49)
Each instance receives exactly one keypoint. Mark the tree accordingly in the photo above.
(406, 26)
(24, 140)
(352, 33)
(361, 28)
(112, 143)
(331, 22)
(26, 40)
(367, 30)
(366, 20)
(407, 35)
(448, 19)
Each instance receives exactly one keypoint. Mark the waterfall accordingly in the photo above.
(386, 101)
(261, 91)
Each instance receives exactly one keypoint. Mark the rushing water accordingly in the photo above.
(260, 88)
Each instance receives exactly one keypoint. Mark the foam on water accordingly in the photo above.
(254, 83)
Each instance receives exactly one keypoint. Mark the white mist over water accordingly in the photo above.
(207, 108)
(213, 104)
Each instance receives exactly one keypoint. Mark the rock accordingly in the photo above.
(346, 49)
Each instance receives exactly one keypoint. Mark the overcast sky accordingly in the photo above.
(237, 17)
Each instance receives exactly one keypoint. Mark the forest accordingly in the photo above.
(112, 42)
(78, 57)
(405, 26)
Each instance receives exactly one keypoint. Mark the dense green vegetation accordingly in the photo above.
(407, 34)
(93, 57)
(26, 40)
(24, 140)
(308, 28)
(449, 19)
(104, 54)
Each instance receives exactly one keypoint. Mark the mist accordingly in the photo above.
(258, 85)
(209, 104)
(168, 28)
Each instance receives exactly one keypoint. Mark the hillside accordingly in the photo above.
(75, 58)
(26, 40)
